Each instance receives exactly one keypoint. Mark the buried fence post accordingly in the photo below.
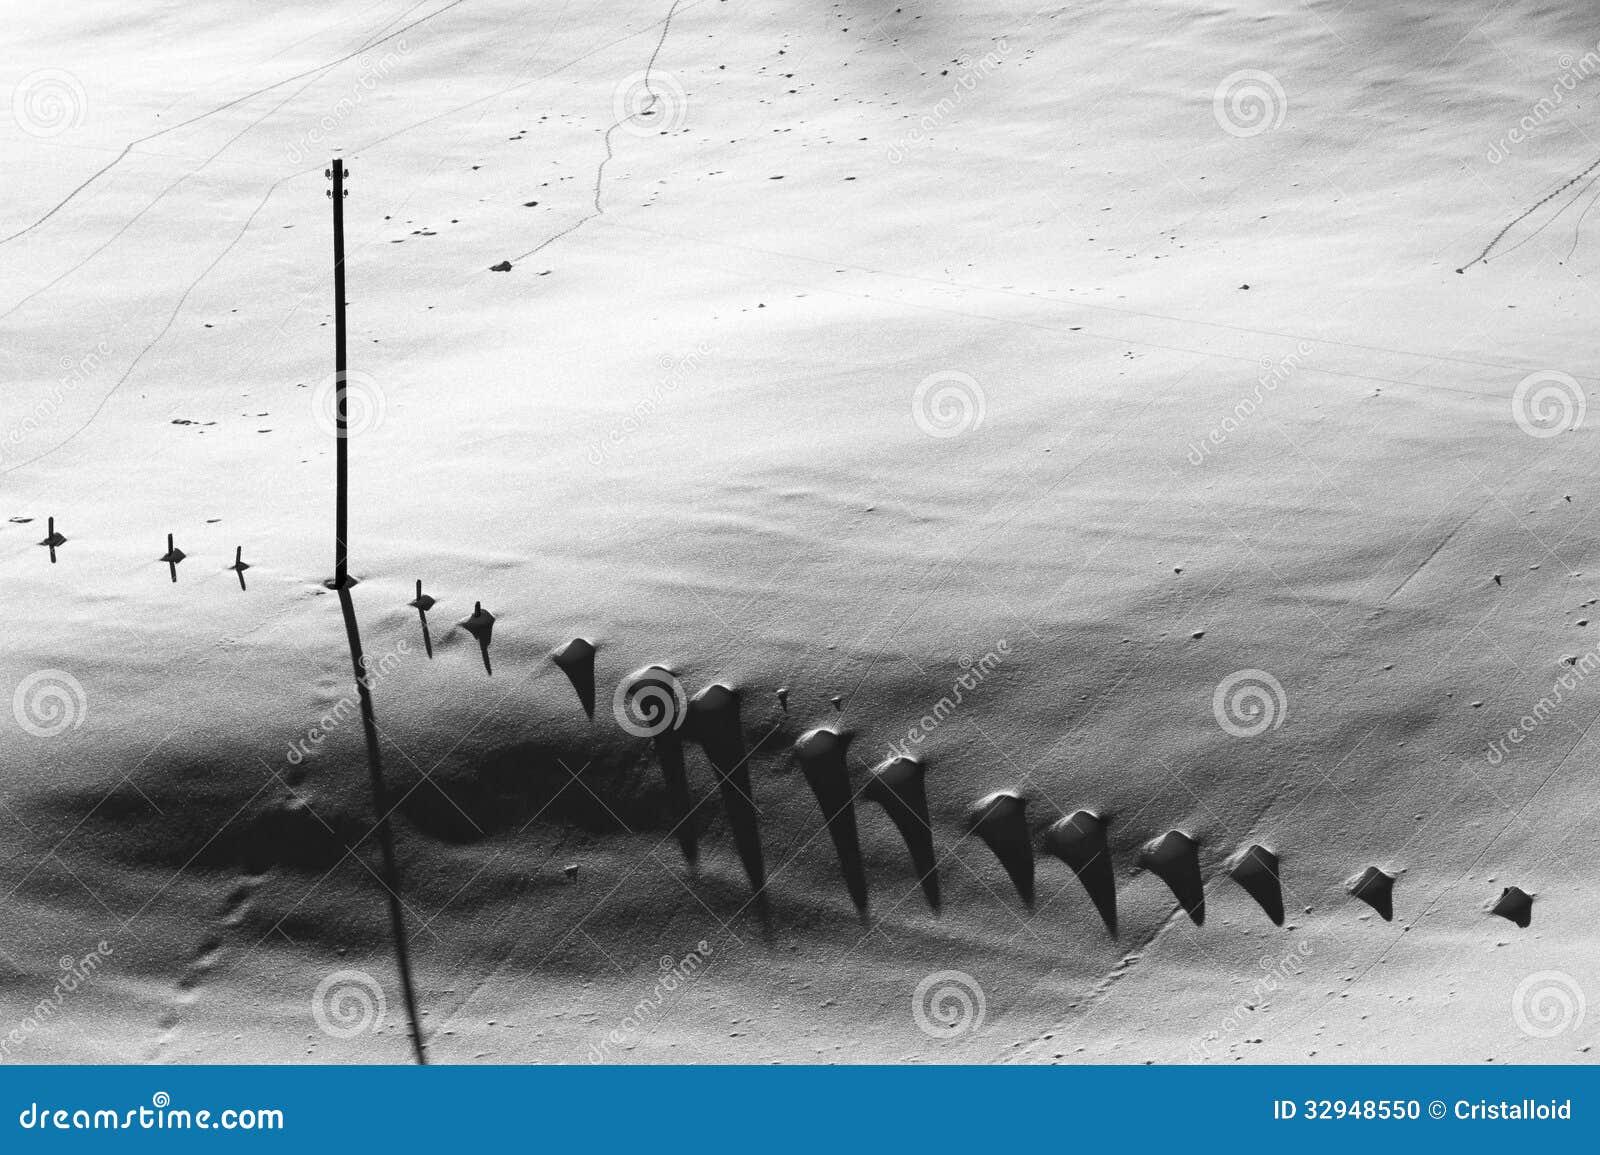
(342, 583)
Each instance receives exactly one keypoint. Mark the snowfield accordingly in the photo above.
(1083, 401)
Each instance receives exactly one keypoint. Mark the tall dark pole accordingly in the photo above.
(341, 516)
(347, 606)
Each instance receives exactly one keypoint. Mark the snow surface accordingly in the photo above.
(685, 425)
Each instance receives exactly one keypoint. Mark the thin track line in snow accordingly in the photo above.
(1525, 214)
(1577, 228)
(156, 340)
(1554, 217)
(132, 144)
(271, 189)
(600, 172)
(160, 196)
